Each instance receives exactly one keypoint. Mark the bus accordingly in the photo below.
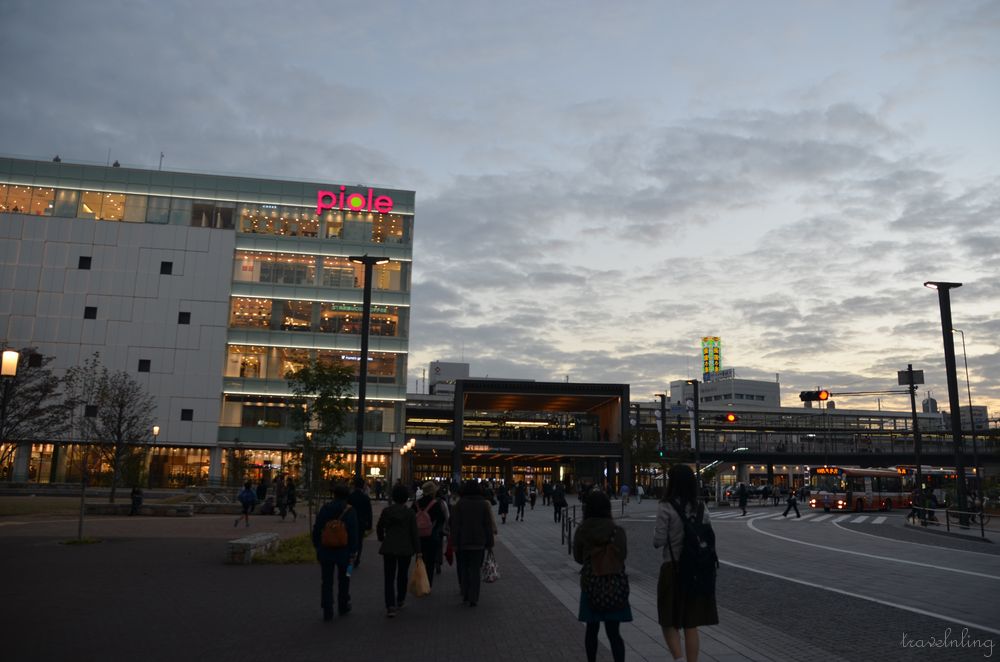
(857, 489)
(939, 481)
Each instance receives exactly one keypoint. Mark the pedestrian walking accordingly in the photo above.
(792, 503)
(248, 499)
(626, 493)
(339, 557)
(742, 494)
(363, 507)
(546, 493)
(601, 542)
(397, 531)
(520, 500)
(532, 494)
(776, 495)
(679, 608)
(262, 490)
(503, 498)
(136, 500)
(281, 495)
(639, 493)
(472, 534)
(430, 517)
(558, 500)
(291, 497)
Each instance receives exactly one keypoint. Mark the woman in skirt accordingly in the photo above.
(676, 610)
(595, 533)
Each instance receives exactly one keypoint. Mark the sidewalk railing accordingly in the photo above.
(965, 519)
(567, 524)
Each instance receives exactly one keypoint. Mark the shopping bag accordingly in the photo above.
(490, 571)
(449, 553)
(419, 585)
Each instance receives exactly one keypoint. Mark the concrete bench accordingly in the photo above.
(156, 509)
(242, 550)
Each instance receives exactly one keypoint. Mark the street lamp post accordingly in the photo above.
(944, 301)
(366, 316)
(9, 372)
(693, 409)
(972, 423)
(149, 478)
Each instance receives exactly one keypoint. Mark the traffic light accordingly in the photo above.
(728, 417)
(814, 396)
(661, 451)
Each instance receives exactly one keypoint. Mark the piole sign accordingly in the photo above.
(353, 201)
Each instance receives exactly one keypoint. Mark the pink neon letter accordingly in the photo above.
(320, 205)
(383, 204)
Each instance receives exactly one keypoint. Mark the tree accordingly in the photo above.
(118, 415)
(32, 405)
(324, 394)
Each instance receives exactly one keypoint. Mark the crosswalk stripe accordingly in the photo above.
(858, 520)
(842, 518)
(822, 517)
(878, 520)
(804, 517)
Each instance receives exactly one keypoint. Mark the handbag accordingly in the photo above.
(490, 571)
(603, 578)
(604, 592)
(419, 585)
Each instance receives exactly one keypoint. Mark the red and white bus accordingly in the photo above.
(857, 489)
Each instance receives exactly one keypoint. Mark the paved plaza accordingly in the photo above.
(157, 589)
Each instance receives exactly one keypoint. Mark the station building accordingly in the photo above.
(208, 290)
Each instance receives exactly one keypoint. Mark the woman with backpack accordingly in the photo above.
(685, 592)
(600, 547)
(431, 518)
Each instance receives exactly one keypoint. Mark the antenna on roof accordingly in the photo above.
(161, 161)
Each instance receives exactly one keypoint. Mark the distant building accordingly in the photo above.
(979, 421)
(443, 376)
(929, 405)
(725, 390)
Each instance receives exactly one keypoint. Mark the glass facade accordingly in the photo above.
(295, 294)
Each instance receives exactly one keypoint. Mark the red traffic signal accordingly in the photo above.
(728, 417)
(814, 396)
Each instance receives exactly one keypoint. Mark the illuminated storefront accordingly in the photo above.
(208, 290)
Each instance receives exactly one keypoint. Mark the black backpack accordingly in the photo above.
(698, 564)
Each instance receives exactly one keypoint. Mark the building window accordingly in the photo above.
(144, 365)
(84, 262)
(254, 313)
(101, 206)
(90, 411)
(187, 414)
(34, 360)
(166, 268)
(183, 318)
(90, 313)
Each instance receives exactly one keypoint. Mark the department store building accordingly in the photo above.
(208, 290)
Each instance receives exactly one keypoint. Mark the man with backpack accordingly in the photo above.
(685, 591)
(335, 537)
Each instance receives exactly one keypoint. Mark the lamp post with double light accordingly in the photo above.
(366, 315)
(944, 301)
(8, 369)
(972, 422)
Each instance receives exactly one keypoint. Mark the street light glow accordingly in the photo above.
(941, 285)
(10, 358)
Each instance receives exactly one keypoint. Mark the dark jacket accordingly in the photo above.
(363, 506)
(329, 511)
(472, 523)
(594, 533)
(436, 513)
(520, 495)
(397, 530)
(559, 496)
